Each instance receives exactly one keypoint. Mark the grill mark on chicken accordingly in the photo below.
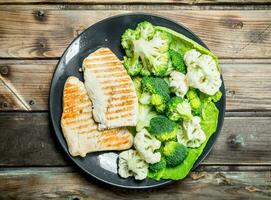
(107, 70)
(119, 116)
(122, 80)
(108, 75)
(122, 86)
(115, 111)
(117, 92)
(103, 64)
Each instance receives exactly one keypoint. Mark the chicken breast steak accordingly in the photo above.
(110, 89)
(80, 130)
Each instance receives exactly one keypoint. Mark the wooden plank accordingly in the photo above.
(190, 2)
(27, 139)
(46, 33)
(247, 83)
(59, 183)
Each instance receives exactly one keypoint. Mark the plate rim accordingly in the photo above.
(55, 124)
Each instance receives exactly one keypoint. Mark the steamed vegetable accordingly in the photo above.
(202, 72)
(131, 164)
(146, 50)
(174, 153)
(194, 101)
(156, 167)
(178, 83)
(145, 114)
(155, 92)
(163, 128)
(146, 145)
(178, 108)
(177, 61)
(176, 77)
(208, 124)
(191, 135)
(137, 84)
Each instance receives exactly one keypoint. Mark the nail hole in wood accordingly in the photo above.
(230, 92)
(4, 70)
(31, 102)
(4, 105)
(236, 141)
(40, 13)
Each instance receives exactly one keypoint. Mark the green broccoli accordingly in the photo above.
(215, 98)
(146, 50)
(177, 61)
(194, 101)
(132, 65)
(178, 108)
(163, 128)
(174, 153)
(155, 92)
(145, 115)
(156, 167)
(137, 84)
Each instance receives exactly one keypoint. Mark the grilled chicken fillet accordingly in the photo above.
(79, 128)
(110, 89)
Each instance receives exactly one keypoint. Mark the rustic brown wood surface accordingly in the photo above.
(64, 183)
(25, 85)
(34, 34)
(190, 2)
(46, 33)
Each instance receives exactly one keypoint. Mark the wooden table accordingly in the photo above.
(33, 35)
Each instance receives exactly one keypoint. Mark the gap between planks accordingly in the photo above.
(68, 184)
(141, 7)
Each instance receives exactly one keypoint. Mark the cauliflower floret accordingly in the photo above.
(145, 144)
(191, 135)
(202, 72)
(131, 164)
(178, 83)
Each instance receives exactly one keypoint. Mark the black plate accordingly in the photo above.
(107, 33)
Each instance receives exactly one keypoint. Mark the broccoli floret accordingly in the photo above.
(145, 115)
(177, 61)
(137, 84)
(163, 128)
(155, 92)
(216, 97)
(147, 46)
(174, 153)
(126, 41)
(194, 100)
(178, 108)
(132, 65)
(156, 167)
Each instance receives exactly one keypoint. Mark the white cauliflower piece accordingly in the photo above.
(131, 164)
(144, 117)
(178, 83)
(202, 72)
(191, 135)
(145, 144)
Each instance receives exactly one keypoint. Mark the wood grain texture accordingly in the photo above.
(24, 85)
(62, 183)
(138, 1)
(26, 139)
(46, 33)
